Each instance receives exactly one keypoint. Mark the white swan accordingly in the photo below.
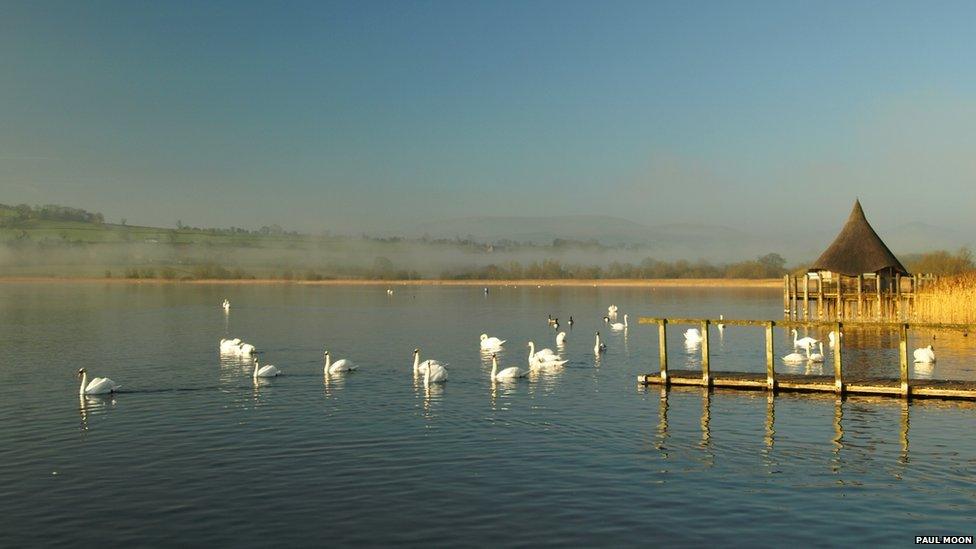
(434, 373)
(795, 357)
(617, 326)
(229, 345)
(545, 358)
(816, 357)
(97, 386)
(246, 349)
(925, 355)
(692, 335)
(340, 366)
(721, 325)
(421, 367)
(560, 339)
(508, 374)
(599, 347)
(226, 304)
(832, 338)
(803, 342)
(265, 371)
(491, 343)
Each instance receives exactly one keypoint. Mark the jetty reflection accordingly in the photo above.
(849, 408)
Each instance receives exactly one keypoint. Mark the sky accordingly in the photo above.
(376, 116)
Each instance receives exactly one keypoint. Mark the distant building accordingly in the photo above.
(856, 277)
(858, 250)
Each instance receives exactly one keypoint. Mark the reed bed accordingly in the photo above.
(952, 299)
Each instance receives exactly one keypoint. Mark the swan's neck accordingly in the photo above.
(531, 350)
(625, 320)
(416, 362)
(597, 345)
(494, 367)
(84, 383)
(328, 362)
(255, 368)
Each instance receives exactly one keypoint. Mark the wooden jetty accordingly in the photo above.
(902, 386)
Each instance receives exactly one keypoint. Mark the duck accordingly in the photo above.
(97, 386)
(265, 371)
(491, 343)
(338, 367)
(599, 347)
(925, 355)
(570, 323)
(508, 374)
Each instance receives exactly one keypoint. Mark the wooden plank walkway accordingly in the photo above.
(950, 389)
(771, 380)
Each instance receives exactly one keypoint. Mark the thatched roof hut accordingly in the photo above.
(858, 250)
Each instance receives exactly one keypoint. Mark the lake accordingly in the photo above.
(193, 452)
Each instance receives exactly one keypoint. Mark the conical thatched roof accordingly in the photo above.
(857, 249)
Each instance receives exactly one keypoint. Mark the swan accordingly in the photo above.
(230, 345)
(507, 374)
(560, 339)
(246, 349)
(97, 386)
(265, 371)
(795, 357)
(925, 355)
(617, 326)
(421, 367)
(226, 304)
(816, 357)
(721, 325)
(545, 358)
(692, 335)
(490, 343)
(338, 367)
(389, 291)
(832, 338)
(599, 347)
(434, 373)
(802, 342)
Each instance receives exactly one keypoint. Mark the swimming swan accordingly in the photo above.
(692, 335)
(599, 347)
(226, 304)
(617, 326)
(925, 355)
(421, 367)
(832, 338)
(434, 373)
(265, 371)
(560, 339)
(545, 358)
(489, 343)
(97, 386)
(338, 367)
(816, 357)
(508, 374)
(795, 357)
(803, 342)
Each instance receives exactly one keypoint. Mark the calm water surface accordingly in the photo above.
(191, 452)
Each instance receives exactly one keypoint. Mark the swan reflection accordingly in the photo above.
(90, 406)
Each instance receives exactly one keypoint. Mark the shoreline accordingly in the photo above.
(618, 283)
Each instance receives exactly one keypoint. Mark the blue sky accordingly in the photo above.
(370, 116)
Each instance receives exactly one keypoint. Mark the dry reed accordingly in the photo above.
(950, 300)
